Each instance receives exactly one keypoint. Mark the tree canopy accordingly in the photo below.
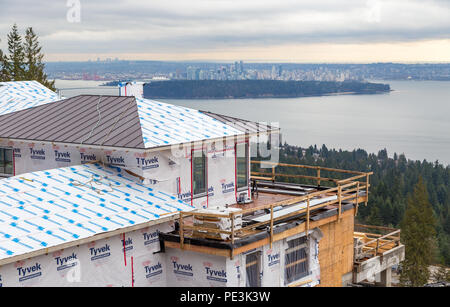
(392, 183)
(418, 232)
(23, 59)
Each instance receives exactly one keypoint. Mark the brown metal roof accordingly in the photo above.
(85, 119)
(242, 124)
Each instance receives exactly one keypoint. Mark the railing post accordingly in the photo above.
(307, 216)
(367, 189)
(318, 176)
(271, 225)
(340, 200)
(357, 200)
(181, 231)
(378, 244)
(232, 228)
(273, 173)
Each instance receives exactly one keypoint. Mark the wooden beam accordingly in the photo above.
(200, 249)
(271, 225)
(289, 233)
(181, 230)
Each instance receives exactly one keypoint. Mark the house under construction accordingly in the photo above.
(126, 191)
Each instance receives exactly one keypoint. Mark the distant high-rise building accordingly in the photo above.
(193, 73)
(277, 71)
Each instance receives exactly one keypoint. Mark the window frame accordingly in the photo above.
(247, 167)
(2, 174)
(303, 245)
(258, 263)
(205, 163)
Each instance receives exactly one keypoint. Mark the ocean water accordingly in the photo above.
(413, 119)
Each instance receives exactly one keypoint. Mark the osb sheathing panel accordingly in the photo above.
(336, 250)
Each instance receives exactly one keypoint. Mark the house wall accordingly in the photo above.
(168, 170)
(195, 269)
(135, 259)
(192, 269)
(336, 250)
(96, 264)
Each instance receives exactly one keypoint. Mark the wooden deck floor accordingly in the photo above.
(262, 199)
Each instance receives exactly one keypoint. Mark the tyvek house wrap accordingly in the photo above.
(129, 259)
(44, 209)
(21, 95)
(165, 124)
(165, 170)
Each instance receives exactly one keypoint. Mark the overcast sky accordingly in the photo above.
(225, 30)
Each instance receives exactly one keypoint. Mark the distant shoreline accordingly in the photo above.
(271, 97)
(244, 89)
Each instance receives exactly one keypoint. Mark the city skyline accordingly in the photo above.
(350, 31)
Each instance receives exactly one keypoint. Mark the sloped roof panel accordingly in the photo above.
(114, 121)
(166, 124)
(48, 208)
(86, 119)
(243, 125)
(20, 95)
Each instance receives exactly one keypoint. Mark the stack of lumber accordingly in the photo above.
(216, 223)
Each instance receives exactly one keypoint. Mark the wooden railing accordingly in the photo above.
(347, 190)
(373, 244)
(272, 175)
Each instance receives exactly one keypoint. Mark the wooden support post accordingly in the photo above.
(378, 244)
(357, 201)
(318, 176)
(367, 188)
(232, 236)
(307, 216)
(273, 173)
(340, 201)
(232, 228)
(271, 225)
(181, 231)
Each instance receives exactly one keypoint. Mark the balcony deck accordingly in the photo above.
(376, 252)
(276, 210)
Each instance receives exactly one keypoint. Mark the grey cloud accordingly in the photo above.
(177, 25)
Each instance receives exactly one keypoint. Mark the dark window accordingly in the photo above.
(296, 260)
(242, 165)
(253, 269)
(6, 161)
(199, 173)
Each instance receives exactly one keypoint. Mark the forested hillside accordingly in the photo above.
(189, 89)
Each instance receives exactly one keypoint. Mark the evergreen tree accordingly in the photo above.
(15, 65)
(3, 75)
(418, 233)
(33, 60)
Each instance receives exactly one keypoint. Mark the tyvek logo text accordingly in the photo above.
(26, 273)
(151, 237)
(37, 154)
(99, 253)
(182, 269)
(87, 158)
(148, 163)
(215, 275)
(62, 156)
(63, 263)
(153, 270)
